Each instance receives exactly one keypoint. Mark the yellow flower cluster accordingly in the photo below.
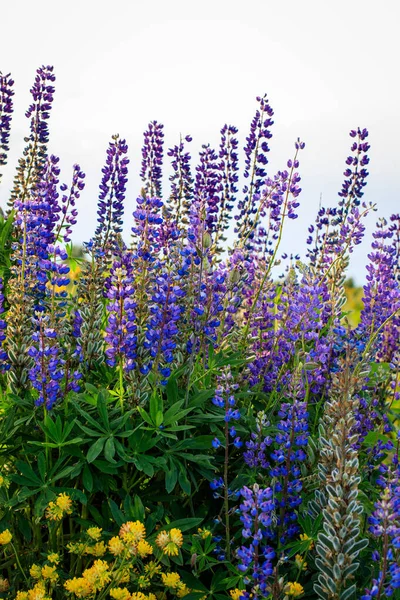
(38, 592)
(294, 589)
(93, 580)
(118, 567)
(170, 541)
(62, 506)
(300, 562)
(125, 594)
(306, 538)
(236, 593)
(204, 533)
(4, 584)
(5, 537)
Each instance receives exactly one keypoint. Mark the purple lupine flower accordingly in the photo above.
(112, 195)
(255, 455)
(286, 457)
(147, 228)
(385, 525)
(6, 109)
(4, 364)
(162, 328)
(256, 150)
(39, 111)
(36, 220)
(257, 515)
(207, 189)
(47, 368)
(228, 185)
(181, 182)
(152, 159)
(68, 204)
(120, 336)
(338, 230)
(224, 399)
(382, 292)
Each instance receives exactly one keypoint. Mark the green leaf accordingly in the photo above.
(171, 477)
(42, 465)
(87, 478)
(95, 449)
(117, 514)
(109, 450)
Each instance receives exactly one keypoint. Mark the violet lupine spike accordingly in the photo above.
(121, 337)
(286, 457)
(112, 195)
(181, 182)
(152, 159)
(339, 229)
(4, 363)
(162, 327)
(256, 150)
(68, 204)
(385, 527)
(208, 187)
(47, 368)
(6, 110)
(382, 293)
(34, 158)
(229, 178)
(256, 556)
(39, 111)
(147, 228)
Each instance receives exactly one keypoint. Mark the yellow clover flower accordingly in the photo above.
(120, 593)
(5, 537)
(236, 593)
(35, 571)
(53, 512)
(94, 533)
(294, 589)
(183, 590)
(21, 596)
(116, 546)
(4, 584)
(138, 596)
(64, 502)
(98, 575)
(78, 586)
(144, 548)
(98, 549)
(152, 569)
(53, 558)
(306, 538)
(170, 541)
(49, 573)
(132, 532)
(171, 580)
(300, 562)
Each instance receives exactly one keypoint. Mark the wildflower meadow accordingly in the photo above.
(195, 414)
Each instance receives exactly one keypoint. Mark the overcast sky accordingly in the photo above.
(327, 67)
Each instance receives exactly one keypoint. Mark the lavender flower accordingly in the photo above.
(34, 157)
(256, 150)
(47, 365)
(181, 182)
(4, 363)
(6, 109)
(121, 328)
(152, 159)
(256, 514)
(162, 328)
(112, 195)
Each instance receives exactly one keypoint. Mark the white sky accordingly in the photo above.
(327, 67)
